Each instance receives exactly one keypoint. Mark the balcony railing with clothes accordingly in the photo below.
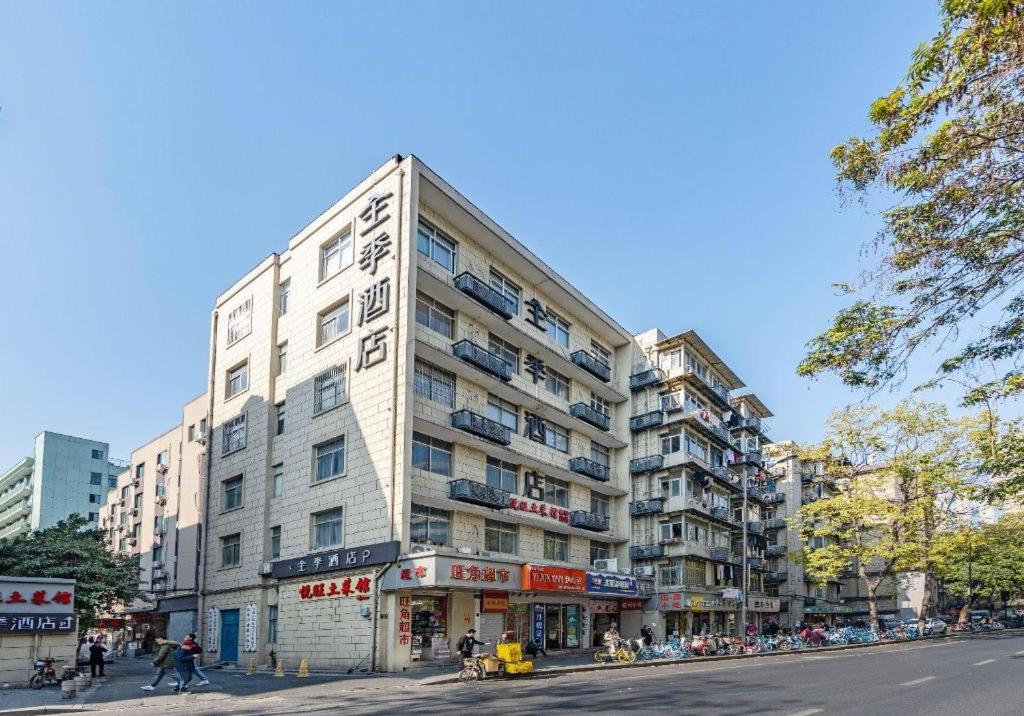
(483, 359)
(588, 521)
(590, 468)
(645, 379)
(775, 498)
(592, 365)
(486, 296)
(648, 420)
(478, 493)
(702, 420)
(652, 506)
(589, 415)
(481, 427)
(646, 464)
(755, 527)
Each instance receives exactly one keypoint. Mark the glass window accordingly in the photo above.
(138, 500)
(234, 434)
(431, 454)
(558, 329)
(556, 436)
(435, 316)
(435, 245)
(501, 474)
(275, 542)
(600, 405)
(602, 354)
(283, 290)
(282, 358)
(96, 478)
(280, 411)
(696, 448)
(111, 482)
(278, 488)
(158, 554)
(231, 550)
(233, 493)
(695, 572)
(599, 504)
(335, 255)
(238, 379)
(671, 530)
(671, 400)
(202, 427)
(94, 499)
(556, 492)
(163, 457)
(328, 390)
(506, 288)
(430, 525)
(97, 454)
(124, 492)
(671, 359)
(327, 529)
(330, 459)
(672, 487)
(240, 321)
(671, 442)
(272, 624)
(140, 471)
(556, 546)
(598, 550)
(501, 536)
(504, 350)
(503, 412)
(600, 454)
(332, 323)
(191, 433)
(434, 383)
(556, 383)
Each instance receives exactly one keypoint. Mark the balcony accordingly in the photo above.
(592, 365)
(756, 493)
(775, 550)
(775, 523)
(723, 514)
(587, 414)
(775, 498)
(717, 393)
(653, 506)
(750, 457)
(722, 554)
(639, 381)
(478, 493)
(590, 468)
(648, 420)
(481, 427)
(486, 296)
(702, 421)
(755, 527)
(775, 577)
(483, 359)
(646, 464)
(588, 521)
(756, 562)
(647, 551)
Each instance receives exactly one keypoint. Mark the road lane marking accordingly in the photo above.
(982, 663)
(806, 712)
(915, 682)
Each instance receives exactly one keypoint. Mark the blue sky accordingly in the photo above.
(151, 153)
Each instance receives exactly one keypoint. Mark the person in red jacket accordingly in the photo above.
(190, 644)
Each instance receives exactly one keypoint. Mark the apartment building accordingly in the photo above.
(154, 513)
(63, 476)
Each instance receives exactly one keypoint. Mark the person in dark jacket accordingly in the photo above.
(465, 644)
(647, 634)
(96, 653)
(163, 662)
(184, 664)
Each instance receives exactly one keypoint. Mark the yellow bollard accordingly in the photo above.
(279, 671)
(303, 669)
(251, 671)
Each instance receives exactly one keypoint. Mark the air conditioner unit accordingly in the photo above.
(606, 565)
(121, 502)
(201, 440)
(161, 500)
(135, 512)
(645, 571)
(266, 568)
(131, 541)
(465, 550)
(162, 469)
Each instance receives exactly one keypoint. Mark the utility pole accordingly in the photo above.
(745, 580)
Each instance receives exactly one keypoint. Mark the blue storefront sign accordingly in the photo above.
(619, 585)
(538, 623)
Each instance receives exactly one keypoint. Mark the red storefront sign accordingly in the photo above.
(539, 508)
(631, 605)
(542, 578)
(404, 620)
(347, 587)
(494, 602)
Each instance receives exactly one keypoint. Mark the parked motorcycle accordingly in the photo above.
(46, 673)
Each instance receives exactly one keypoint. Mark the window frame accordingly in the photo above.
(430, 445)
(501, 530)
(228, 446)
(239, 372)
(283, 292)
(237, 548)
(430, 516)
(438, 382)
(344, 244)
(502, 475)
(313, 525)
(560, 492)
(228, 490)
(431, 308)
(555, 325)
(561, 383)
(241, 312)
(433, 237)
(557, 430)
(276, 484)
(507, 412)
(556, 546)
(506, 287)
(341, 307)
(338, 373)
(498, 346)
(317, 457)
(275, 542)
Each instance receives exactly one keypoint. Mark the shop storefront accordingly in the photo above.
(688, 613)
(763, 611)
(827, 613)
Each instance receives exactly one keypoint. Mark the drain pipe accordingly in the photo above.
(204, 508)
(376, 602)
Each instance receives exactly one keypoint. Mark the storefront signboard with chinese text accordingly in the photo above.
(336, 560)
(763, 604)
(618, 584)
(447, 571)
(631, 605)
(494, 602)
(358, 587)
(538, 623)
(28, 596)
(681, 601)
(544, 578)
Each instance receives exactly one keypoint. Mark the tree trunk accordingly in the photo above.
(872, 605)
(965, 610)
(926, 595)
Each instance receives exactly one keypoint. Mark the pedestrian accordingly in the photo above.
(163, 662)
(466, 643)
(647, 634)
(96, 654)
(534, 647)
(751, 629)
(611, 639)
(185, 665)
(191, 644)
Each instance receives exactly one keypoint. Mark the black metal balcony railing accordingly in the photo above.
(647, 378)
(756, 493)
(592, 365)
(483, 359)
(648, 420)
(589, 415)
(696, 417)
(775, 550)
(775, 577)
(721, 513)
(718, 392)
(752, 457)
(647, 551)
(588, 521)
(756, 562)
(719, 554)
(652, 506)
(486, 296)
(806, 477)
(478, 493)
(590, 468)
(646, 464)
(755, 527)
(775, 523)
(775, 498)
(481, 427)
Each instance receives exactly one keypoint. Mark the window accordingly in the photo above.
(278, 486)
(275, 542)
(124, 492)
(282, 357)
(600, 454)
(599, 504)
(692, 402)
(232, 493)
(96, 478)
(435, 316)
(556, 492)
(556, 383)
(140, 471)
(434, 383)
(602, 354)
(330, 459)
(506, 288)
(234, 434)
(672, 359)
(600, 405)
(696, 448)
(671, 530)
(598, 550)
(282, 296)
(161, 489)
(500, 536)
(696, 365)
(272, 624)
(327, 529)
(93, 516)
(192, 433)
(158, 554)
(430, 525)
(279, 410)
(238, 380)
(695, 572)
(504, 350)
(435, 245)
(328, 390)
(670, 574)
(163, 457)
(231, 550)
(431, 454)
(556, 436)
(335, 255)
(673, 486)
(138, 501)
(503, 412)
(122, 544)
(240, 322)
(332, 322)
(97, 454)
(671, 442)
(558, 329)
(501, 474)
(111, 482)
(672, 400)
(556, 546)
(202, 427)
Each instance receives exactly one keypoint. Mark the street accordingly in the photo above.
(946, 677)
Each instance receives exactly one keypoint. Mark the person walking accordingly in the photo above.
(647, 634)
(185, 665)
(191, 644)
(96, 653)
(163, 662)
(466, 643)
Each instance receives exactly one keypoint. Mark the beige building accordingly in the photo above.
(154, 513)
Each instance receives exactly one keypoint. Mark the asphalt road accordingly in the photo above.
(972, 675)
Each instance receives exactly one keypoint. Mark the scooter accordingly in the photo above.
(46, 674)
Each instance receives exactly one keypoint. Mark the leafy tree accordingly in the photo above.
(947, 152)
(72, 549)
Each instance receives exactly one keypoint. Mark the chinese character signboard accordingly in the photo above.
(631, 605)
(375, 300)
(30, 605)
(36, 622)
(620, 584)
(544, 578)
(358, 587)
(494, 602)
(680, 601)
(539, 509)
(538, 623)
(763, 604)
(350, 558)
(444, 571)
(404, 620)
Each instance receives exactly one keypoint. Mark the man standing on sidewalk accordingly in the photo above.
(96, 653)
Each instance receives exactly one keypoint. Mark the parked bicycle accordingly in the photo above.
(47, 674)
(621, 652)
